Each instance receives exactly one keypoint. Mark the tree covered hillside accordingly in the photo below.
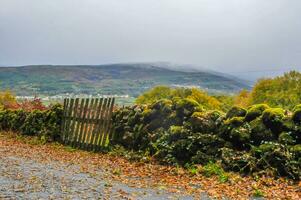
(132, 79)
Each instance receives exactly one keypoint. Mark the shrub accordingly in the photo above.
(238, 161)
(255, 111)
(282, 91)
(180, 145)
(286, 138)
(186, 107)
(129, 129)
(34, 123)
(296, 151)
(242, 99)
(7, 100)
(235, 121)
(240, 136)
(259, 132)
(44, 124)
(208, 102)
(272, 118)
(205, 122)
(278, 159)
(180, 131)
(297, 114)
(236, 112)
(155, 94)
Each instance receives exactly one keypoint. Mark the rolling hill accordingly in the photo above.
(120, 79)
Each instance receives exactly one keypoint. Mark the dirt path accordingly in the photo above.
(53, 171)
(21, 178)
(25, 176)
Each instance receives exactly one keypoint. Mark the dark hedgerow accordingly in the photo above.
(177, 131)
(44, 123)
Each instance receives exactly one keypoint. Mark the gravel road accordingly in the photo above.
(22, 178)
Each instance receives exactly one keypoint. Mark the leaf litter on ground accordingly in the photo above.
(151, 174)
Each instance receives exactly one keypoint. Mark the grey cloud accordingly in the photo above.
(231, 35)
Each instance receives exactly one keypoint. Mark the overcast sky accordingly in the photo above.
(233, 35)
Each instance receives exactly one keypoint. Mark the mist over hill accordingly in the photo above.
(120, 79)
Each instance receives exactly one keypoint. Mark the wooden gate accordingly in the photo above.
(87, 122)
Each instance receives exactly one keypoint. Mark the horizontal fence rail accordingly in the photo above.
(87, 122)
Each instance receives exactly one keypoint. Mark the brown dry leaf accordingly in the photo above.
(150, 174)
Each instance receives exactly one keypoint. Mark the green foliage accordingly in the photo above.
(180, 145)
(7, 99)
(258, 193)
(155, 94)
(286, 138)
(194, 95)
(208, 102)
(213, 169)
(186, 107)
(236, 112)
(240, 136)
(235, 121)
(272, 118)
(180, 131)
(283, 91)
(238, 161)
(205, 122)
(259, 132)
(277, 158)
(45, 124)
(227, 101)
(297, 114)
(242, 98)
(255, 111)
(296, 152)
(34, 123)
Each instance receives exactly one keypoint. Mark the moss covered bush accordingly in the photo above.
(44, 124)
(236, 112)
(181, 131)
(297, 114)
(272, 118)
(259, 132)
(255, 111)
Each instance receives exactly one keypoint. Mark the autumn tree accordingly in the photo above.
(165, 92)
(242, 99)
(283, 91)
(7, 99)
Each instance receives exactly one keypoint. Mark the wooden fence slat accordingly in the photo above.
(68, 121)
(109, 126)
(94, 132)
(88, 124)
(77, 128)
(99, 125)
(103, 126)
(108, 123)
(70, 137)
(92, 123)
(66, 101)
(80, 137)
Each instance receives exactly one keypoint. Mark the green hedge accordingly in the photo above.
(180, 131)
(44, 124)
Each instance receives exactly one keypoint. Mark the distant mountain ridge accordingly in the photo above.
(120, 79)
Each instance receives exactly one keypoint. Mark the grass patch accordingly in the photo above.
(258, 193)
(213, 169)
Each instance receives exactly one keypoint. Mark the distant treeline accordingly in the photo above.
(282, 91)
